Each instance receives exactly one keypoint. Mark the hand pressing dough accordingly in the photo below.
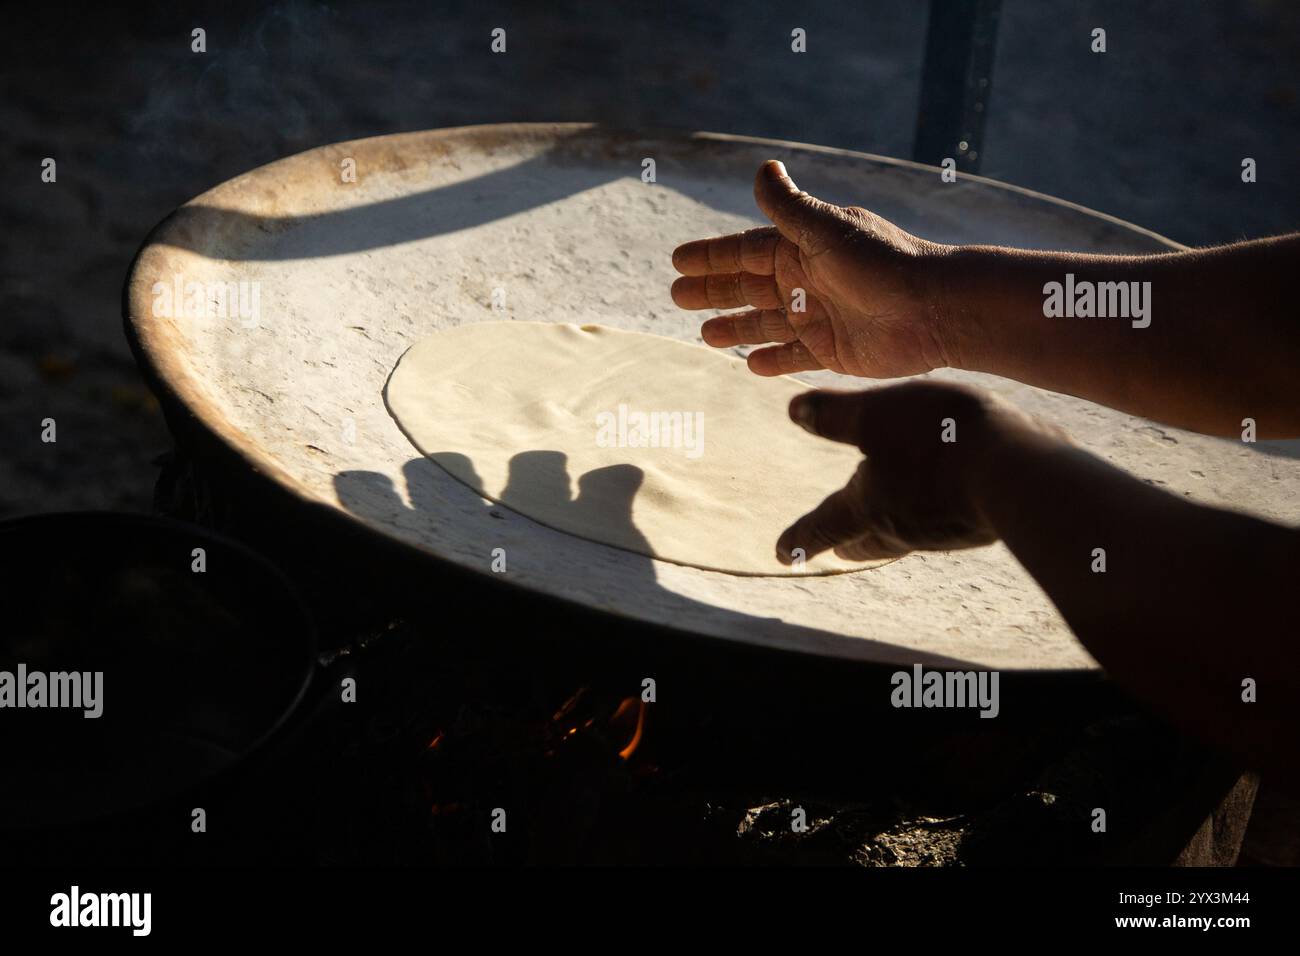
(648, 444)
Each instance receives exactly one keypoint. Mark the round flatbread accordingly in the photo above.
(659, 447)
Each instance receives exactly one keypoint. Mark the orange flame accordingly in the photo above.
(624, 710)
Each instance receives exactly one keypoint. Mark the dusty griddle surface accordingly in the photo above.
(554, 223)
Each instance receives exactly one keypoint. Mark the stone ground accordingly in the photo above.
(1153, 131)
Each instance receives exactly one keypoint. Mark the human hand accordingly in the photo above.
(870, 288)
(933, 451)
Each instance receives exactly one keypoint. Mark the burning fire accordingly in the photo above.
(624, 715)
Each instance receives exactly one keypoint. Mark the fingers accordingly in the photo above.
(871, 547)
(749, 251)
(868, 417)
(842, 523)
(783, 360)
(840, 519)
(925, 487)
(804, 220)
(727, 291)
(748, 328)
(839, 416)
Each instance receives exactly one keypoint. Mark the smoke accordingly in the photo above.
(255, 93)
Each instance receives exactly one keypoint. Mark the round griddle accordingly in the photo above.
(556, 223)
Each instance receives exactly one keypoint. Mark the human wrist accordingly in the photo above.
(1015, 450)
(954, 302)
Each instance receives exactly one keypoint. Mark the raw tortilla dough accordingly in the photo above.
(528, 415)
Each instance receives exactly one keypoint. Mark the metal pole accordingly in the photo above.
(956, 82)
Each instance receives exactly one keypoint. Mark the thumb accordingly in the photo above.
(806, 221)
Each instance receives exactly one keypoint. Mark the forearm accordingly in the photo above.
(1222, 343)
(1192, 600)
